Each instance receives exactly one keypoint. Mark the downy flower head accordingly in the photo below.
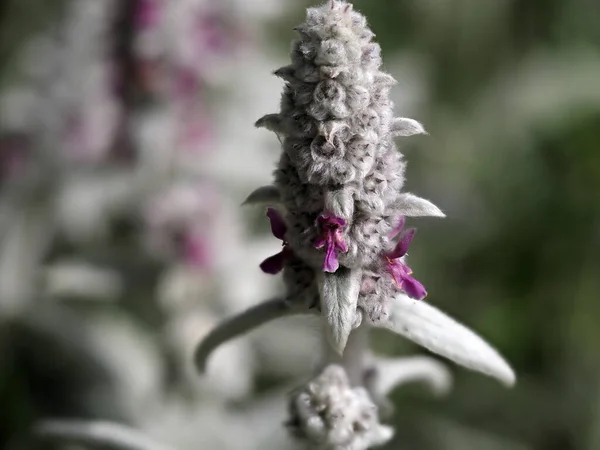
(340, 176)
(330, 414)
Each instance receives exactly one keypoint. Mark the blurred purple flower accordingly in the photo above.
(147, 14)
(196, 251)
(186, 83)
(211, 33)
(331, 237)
(274, 264)
(195, 128)
(400, 271)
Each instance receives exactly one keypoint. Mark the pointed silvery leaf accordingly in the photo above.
(339, 296)
(412, 206)
(381, 435)
(94, 434)
(393, 372)
(385, 79)
(263, 195)
(242, 323)
(403, 126)
(286, 73)
(437, 332)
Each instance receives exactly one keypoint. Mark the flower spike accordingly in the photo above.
(340, 181)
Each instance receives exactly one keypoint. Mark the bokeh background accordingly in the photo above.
(127, 145)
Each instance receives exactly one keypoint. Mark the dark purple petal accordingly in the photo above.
(398, 228)
(402, 246)
(278, 226)
(273, 264)
(413, 288)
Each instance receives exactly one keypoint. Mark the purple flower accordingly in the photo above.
(400, 271)
(274, 264)
(331, 237)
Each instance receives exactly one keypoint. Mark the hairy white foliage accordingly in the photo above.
(339, 296)
(238, 325)
(414, 206)
(403, 126)
(439, 333)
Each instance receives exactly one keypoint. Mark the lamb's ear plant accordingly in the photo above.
(339, 209)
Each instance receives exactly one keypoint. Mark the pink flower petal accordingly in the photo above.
(398, 228)
(320, 242)
(402, 246)
(341, 244)
(331, 263)
(413, 288)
